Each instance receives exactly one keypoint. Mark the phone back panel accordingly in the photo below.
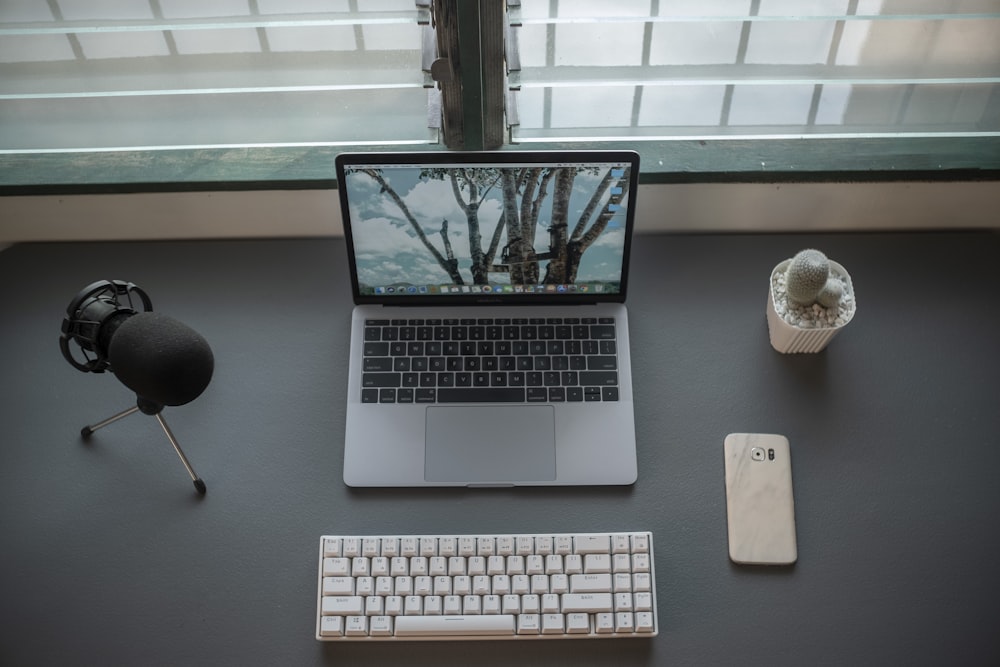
(759, 504)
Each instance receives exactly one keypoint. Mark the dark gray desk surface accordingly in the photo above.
(108, 557)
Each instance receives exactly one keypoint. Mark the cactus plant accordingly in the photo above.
(808, 280)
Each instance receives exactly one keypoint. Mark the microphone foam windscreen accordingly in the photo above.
(161, 359)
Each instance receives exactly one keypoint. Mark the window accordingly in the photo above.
(196, 91)
(188, 89)
(772, 85)
(763, 68)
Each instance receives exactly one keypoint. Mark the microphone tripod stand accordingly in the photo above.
(148, 407)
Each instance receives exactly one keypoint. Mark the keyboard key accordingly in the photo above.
(528, 624)
(332, 626)
(596, 563)
(376, 350)
(381, 379)
(588, 602)
(590, 583)
(373, 364)
(604, 623)
(356, 626)
(644, 621)
(553, 624)
(380, 626)
(343, 605)
(602, 363)
(624, 622)
(481, 395)
(336, 567)
(577, 623)
(591, 544)
(448, 626)
(598, 378)
(332, 547)
(606, 332)
(537, 395)
(338, 586)
(640, 563)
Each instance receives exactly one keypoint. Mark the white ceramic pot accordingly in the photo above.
(789, 338)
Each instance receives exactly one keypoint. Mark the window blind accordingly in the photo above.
(114, 75)
(681, 69)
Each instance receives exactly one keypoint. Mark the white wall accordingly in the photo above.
(662, 208)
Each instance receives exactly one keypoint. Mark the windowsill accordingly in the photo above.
(871, 184)
(739, 160)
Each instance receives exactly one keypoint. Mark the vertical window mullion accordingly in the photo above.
(471, 75)
(470, 72)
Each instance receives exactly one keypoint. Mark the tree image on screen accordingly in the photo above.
(529, 197)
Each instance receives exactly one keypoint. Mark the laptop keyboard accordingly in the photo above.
(490, 360)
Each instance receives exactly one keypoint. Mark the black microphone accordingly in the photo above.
(162, 360)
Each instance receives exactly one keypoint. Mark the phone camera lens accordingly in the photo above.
(757, 454)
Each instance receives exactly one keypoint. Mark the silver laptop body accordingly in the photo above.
(462, 266)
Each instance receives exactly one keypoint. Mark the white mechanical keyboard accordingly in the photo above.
(455, 587)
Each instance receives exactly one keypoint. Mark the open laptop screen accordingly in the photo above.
(488, 227)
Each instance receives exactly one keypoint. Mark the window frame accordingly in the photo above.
(708, 159)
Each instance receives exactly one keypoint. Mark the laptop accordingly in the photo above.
(489, 337)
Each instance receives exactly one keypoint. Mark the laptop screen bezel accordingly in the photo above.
(344, 161)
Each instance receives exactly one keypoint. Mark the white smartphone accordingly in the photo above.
(760, 508)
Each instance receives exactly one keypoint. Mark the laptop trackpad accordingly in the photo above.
(490, 444)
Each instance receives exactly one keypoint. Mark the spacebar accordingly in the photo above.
(427, 626)
(481, 395)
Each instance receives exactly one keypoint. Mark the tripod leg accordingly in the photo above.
(198, 484)
(87, 430)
